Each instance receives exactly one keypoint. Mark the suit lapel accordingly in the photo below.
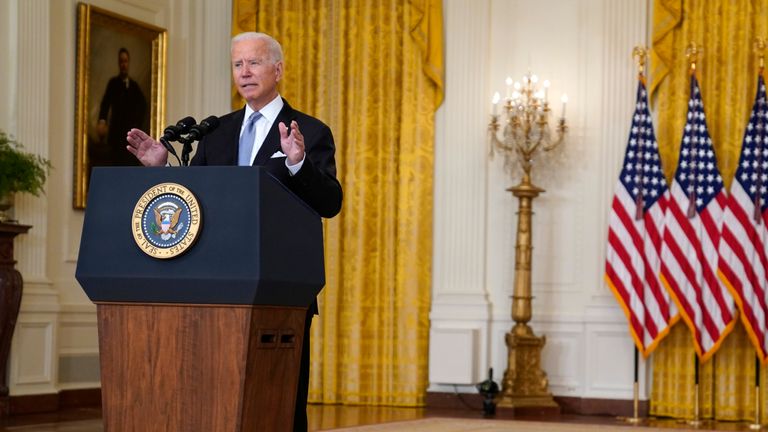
(233, 136)
(272, 141)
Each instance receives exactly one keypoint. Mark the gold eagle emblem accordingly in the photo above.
(166, 221)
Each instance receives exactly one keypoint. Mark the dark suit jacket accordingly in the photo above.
(315, 182)
(122, 108)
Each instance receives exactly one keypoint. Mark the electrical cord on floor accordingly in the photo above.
(463, 401)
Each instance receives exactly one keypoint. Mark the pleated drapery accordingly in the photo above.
(727, 73)
(373, 71)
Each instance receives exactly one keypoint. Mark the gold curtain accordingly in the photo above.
(373, 71)
(727, 74)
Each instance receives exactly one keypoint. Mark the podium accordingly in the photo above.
(210, 339)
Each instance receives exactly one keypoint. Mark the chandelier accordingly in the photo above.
(526, 113)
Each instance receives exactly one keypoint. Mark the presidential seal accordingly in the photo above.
(166, 220)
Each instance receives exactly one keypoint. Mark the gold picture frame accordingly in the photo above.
(120, 61)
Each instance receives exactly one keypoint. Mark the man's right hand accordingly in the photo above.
(101, 129)
(148, 151)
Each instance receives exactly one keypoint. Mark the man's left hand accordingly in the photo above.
(292, 142)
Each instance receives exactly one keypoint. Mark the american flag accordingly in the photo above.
(689, 253)
(743, 262)
(634, 234)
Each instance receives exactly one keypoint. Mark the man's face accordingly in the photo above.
(255, 75)
(122, 63)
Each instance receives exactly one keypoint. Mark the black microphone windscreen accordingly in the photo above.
(210, 123)
(174, 132)
(205, 127)
(186, 123)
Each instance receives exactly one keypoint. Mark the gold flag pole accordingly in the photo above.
(760, 51)
(757, 425)
(639, 54)
(635, 419)
(696, 420)
(692, 53)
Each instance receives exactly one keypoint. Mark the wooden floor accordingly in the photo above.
(324, 417)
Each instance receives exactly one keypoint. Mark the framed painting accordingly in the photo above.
(120, 85)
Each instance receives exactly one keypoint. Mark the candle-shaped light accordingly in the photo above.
(508, 81)
(564, 98)
(538, 100)
(534, 78)
(546, 90)
(495, 103)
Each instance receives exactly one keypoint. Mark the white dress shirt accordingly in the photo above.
(268, 117)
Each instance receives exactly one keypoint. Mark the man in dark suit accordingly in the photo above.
(266, 133)
(122, 107)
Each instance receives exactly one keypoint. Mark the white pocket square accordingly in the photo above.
(277, 154)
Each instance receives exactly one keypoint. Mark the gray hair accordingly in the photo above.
(275, 50)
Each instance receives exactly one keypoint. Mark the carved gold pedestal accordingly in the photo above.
(524, 384)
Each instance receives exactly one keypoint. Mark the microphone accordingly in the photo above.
(174, 132)
(204, 128)
(195, 133)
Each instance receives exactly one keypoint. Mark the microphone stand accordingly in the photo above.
(186, 150)
(170, 149)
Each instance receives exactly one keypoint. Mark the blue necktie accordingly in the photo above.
(246, 140)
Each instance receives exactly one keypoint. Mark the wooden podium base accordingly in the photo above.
(206, 368)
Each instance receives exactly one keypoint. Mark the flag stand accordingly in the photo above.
(748, 196)
(696, 420)
(756, 425)
(635, 419)
(642, 190)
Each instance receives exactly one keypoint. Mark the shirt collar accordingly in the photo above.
(269, 111)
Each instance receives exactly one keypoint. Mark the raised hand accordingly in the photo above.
(292, 142)
(148, 151)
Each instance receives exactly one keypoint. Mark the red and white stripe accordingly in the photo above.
(689, 259)
(632, 268)
(743, 263)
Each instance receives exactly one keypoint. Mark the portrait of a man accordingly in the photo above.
(120, 85)
(123, 106)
